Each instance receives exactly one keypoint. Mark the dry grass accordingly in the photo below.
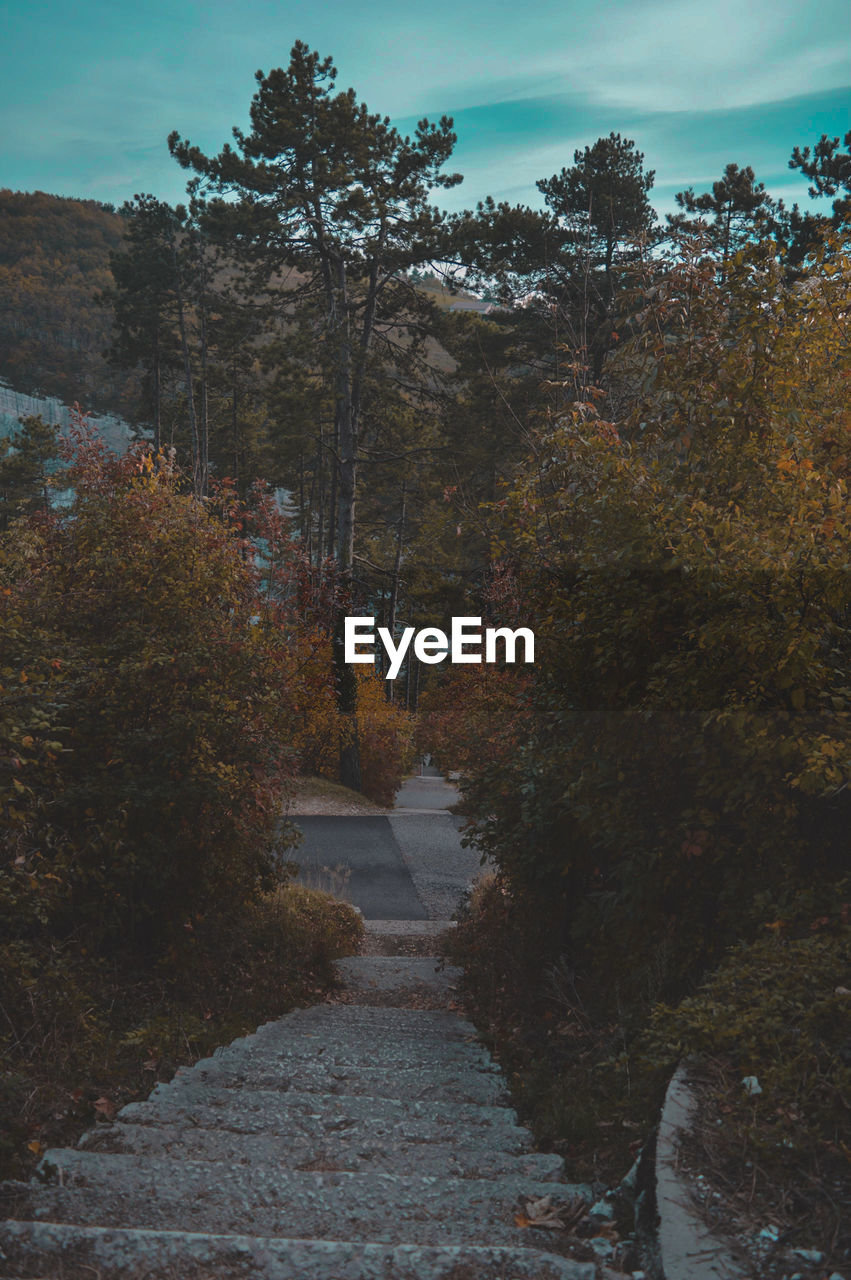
(321, 797)
(743, 1188)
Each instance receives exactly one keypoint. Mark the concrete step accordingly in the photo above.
(89, 1189)
(395, 971)
(250, 1110)
(341, 1027)
(363, 1049)
(335, 1149)
(396, 980)
(341, 1019)
(409, 928)
(114, 1254)
(398, 1080)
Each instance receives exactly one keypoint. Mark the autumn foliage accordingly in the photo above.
(166, 672)
(683, 776)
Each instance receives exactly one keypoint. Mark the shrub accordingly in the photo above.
(81, 1036)
(385, 734)
(778, 1009)
(146, 711)
(683, 774)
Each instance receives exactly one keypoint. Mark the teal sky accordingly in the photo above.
(90, 90)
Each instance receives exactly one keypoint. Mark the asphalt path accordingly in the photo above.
(408, 865)
(357, 858)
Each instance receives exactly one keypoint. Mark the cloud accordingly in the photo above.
(666, 55)
(92, 90)
(506, 147)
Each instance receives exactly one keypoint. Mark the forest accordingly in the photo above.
(633, 439)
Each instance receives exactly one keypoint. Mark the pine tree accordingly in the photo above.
(321, 187)
(737, 211)
(24, 469)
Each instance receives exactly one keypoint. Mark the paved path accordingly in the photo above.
(408, 865)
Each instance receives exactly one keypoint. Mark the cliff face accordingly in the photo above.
(54, 261)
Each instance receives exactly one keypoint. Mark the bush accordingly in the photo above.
(385, 735)
(683, 774)
(778, 1009)
(146, 713)
(81, 1036)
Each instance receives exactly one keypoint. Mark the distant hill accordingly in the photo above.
(54, 260)
(450, 299)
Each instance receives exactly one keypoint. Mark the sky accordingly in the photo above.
(90, 90)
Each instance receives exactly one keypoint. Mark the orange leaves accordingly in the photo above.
(385, 732)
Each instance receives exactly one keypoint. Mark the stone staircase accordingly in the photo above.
(367, 1139)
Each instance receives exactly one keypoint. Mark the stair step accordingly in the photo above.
(362, 1049)
(251, 1110)
(391, 972)
(334, 1149)
(409, 928)
(341, 1028)
(335, 1078)
(341, 1019)
(156, 1192)
(394, 980)
(115, 1254)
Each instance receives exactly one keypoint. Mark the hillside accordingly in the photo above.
(54, 261)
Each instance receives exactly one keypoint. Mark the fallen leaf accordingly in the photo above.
(543, 1213)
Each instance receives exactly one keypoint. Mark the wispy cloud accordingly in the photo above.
(89, 91)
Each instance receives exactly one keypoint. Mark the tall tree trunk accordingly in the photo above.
(234, 428)
(302, 518)
(320, 515)
(394, 581)
(187, 369)
(157, 376)
(347, 433)
(204, 424)
(311, 523)
(332, 502)
(346, 430)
